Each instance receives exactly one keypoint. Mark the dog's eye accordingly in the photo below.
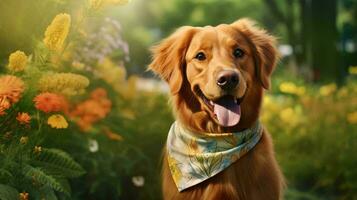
(238, 53)
(200, 56)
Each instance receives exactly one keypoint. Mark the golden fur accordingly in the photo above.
(256, 175)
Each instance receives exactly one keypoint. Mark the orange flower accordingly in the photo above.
(23, 118)
(99, 93)
(23, 196)
(92, 110)
(11, 89)
(2, 110)
(111, 135)
(50, 102)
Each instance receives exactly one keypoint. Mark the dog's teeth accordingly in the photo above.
(211, 102)
(236, 100)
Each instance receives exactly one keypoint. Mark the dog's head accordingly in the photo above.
(217, 74)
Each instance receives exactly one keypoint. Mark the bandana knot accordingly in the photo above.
(194, 158)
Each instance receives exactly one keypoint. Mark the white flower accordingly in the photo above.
(93, 145)
(138, 181)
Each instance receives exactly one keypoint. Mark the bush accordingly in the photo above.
(314, 129)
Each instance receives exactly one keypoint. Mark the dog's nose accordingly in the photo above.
(227, 79)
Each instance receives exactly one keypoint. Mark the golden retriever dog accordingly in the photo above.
(229, 63)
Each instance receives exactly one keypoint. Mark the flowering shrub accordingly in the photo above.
(314, 130)
(44, 95)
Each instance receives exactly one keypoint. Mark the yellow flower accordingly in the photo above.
(130, 90)
(287, 115)
(352, 118)
(291, 88)
(98, 4)
(56, 33)
(111, 73)
(327, 90)
(17, 61)
(78, 65)
(24, 139)
(37, 149)
(57, 121)
(343, 92)
(24, 196)
(268, 101)
(270, 106)
(118, 2)
(300, 90)
(63, 83)
(352, 70)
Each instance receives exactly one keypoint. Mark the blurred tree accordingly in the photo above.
(312, 33)
(348, 26)
(324, 39)
(202, 13)
(154, 20)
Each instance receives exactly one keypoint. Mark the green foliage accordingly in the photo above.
(40, 177)
(8, 193)
(145, 23)
(292, 194)
(57, 163)
(314, 135)
(47, 193)
(28, 160)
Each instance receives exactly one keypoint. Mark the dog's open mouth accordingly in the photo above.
(226, 109)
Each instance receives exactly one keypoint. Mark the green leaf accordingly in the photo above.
(5, 173)
(58, 163)
(65, 184)
(47, 193)
(8, 193)
(41, 177)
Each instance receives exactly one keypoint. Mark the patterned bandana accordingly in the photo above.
(194, 158)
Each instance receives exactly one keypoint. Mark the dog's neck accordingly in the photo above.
(194, 157)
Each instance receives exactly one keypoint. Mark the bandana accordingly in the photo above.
(194, 158)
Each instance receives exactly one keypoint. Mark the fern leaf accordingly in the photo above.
(47, 193)
(65, 184)
(5, 174)
(41, 177)
(57, 162)
(8, 193)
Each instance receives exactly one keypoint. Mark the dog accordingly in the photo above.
(217, 76)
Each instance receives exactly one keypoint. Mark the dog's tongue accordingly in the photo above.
(227, 111)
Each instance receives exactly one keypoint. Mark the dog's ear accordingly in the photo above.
(169, 57)
(263, 44)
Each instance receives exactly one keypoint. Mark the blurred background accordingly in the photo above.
(311, 110)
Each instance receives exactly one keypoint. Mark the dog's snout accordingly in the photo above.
(227, 79)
